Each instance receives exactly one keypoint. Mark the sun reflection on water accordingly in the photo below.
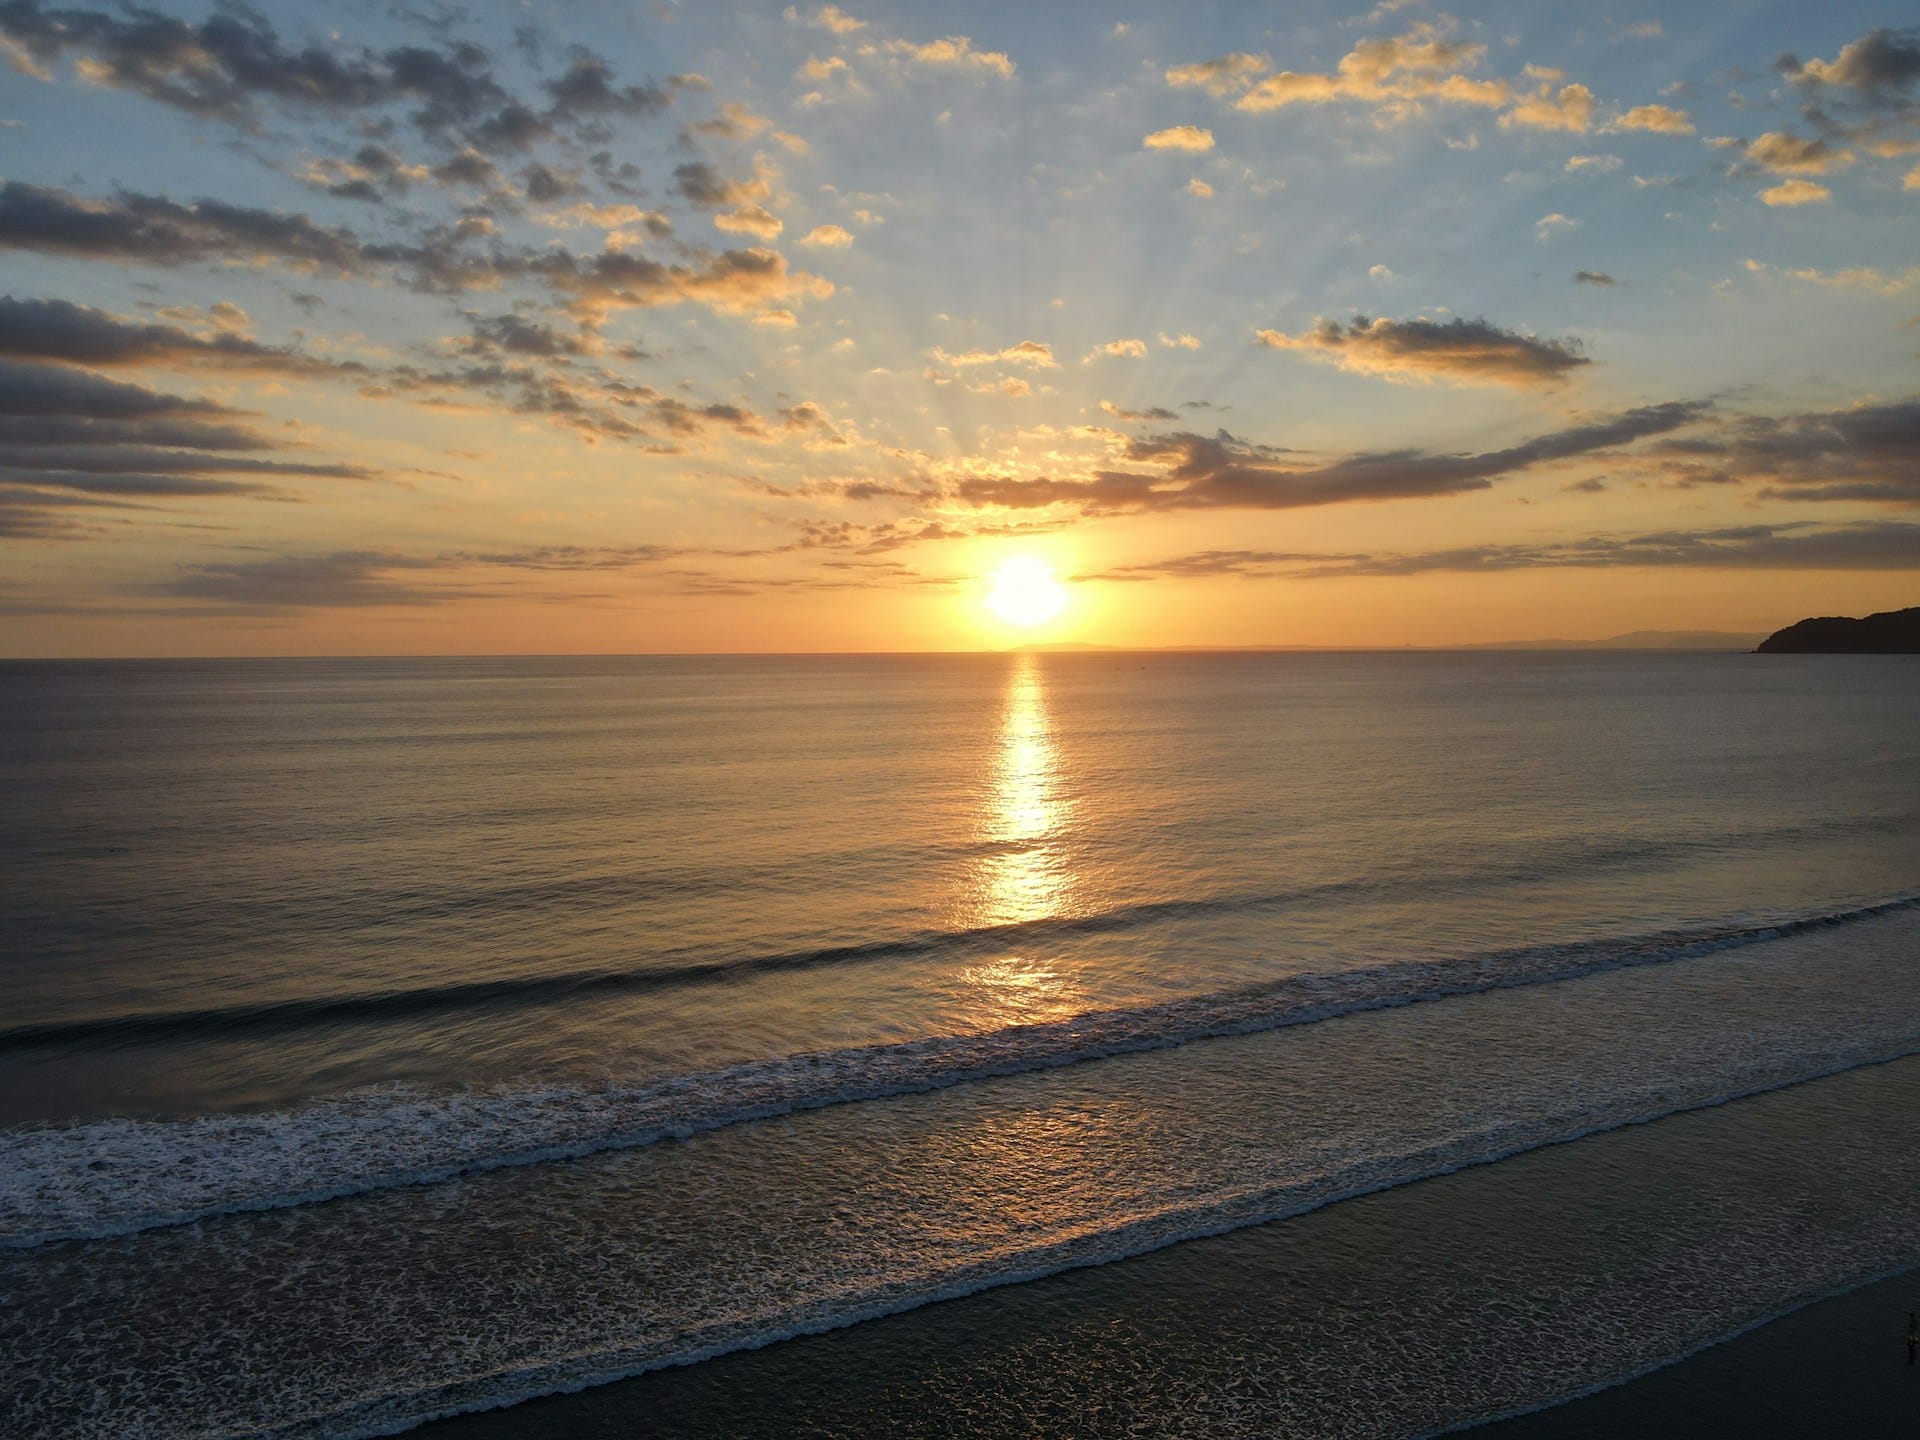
(1022, 872)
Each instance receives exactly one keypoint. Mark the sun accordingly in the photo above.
(1026, 592)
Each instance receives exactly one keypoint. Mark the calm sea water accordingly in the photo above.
(383, 1039)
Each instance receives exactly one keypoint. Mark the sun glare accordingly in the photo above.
(1025, 592)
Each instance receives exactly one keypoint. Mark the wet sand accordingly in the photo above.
(1410, 1311)
(1837, 1367)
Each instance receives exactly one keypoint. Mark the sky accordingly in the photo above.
(413, 328)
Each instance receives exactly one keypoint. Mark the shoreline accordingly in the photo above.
(1377, 1315)
(1832, 1365)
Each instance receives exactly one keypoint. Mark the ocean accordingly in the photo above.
(1105, 1043)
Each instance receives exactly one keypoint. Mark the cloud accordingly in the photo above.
(471, 169)
(830, 237)
(1180, 342)
(1421, 64)
(1227, 75)
(155, 231)
(733, 280)
(699, 183)
(1156, 412)
(351, 578)
(1661, 119)
(749, 220)
(1882, 65)
(1462, 352)
(1568, 108)
(1187, 471)
(1792, 155)
(954, 52)
(81, 335)
(1547, 224)
(1180, 137)
(1864, 453)
(587, 88)
(73, 441)
(1121, 349)
(1606, 164)
(1594, 277)
(827, 17)
(1027, 352)
(1199, 189)
(234, 63)
(1866, 278)
(1795, 192)
(779, 319)
(1873, 545)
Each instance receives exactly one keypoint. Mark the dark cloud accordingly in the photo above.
(699, 183)
(1593, 277)
(571, 557)
(1867, 452)
(1209, 564)
(1155, 412)
(151, 230)
(67, 433)
(1881, 65)
(303, 582)
(229, 66)
(1866, 545)
(1461, 351)
(1222, 471)
(587, 87)
(518, 335)
(82, 335)
(469, 168)
(544, 186)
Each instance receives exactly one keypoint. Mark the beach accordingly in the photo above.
(1382, 1315)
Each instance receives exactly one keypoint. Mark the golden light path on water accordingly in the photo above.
(1024, 814)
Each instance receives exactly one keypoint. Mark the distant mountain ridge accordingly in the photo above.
(1890, 632)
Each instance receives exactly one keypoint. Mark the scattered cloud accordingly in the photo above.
(1594, 277)
(1122, 349)
(828, 17)
(1461, 352)
(1567, 107)
(72, 441)
(1865, 545)
(1187, 471)
(1661, 119)
(1180, 137)
(1421, 64)
(830, 237)
(1156, 412)
(1227, 75)
(1794, 155)
(954, 52)
(749, 220)
(1795, 192)
(1027, 352)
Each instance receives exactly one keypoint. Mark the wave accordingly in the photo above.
(678, 969)
(1126, 1237)
(119, 1176)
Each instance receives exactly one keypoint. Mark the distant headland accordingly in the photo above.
(1891, 632)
